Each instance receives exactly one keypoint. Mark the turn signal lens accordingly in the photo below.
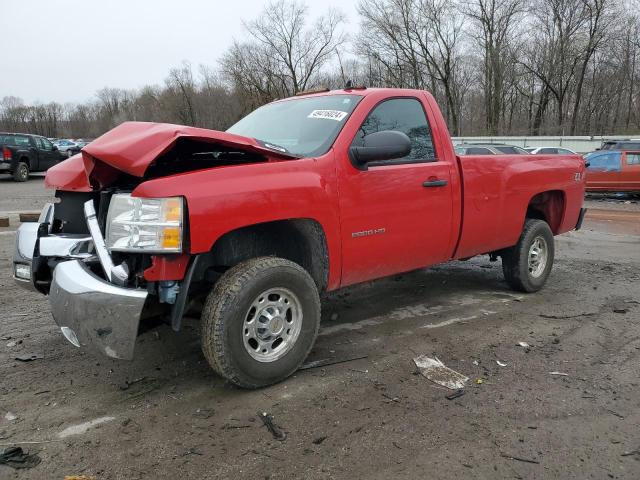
(171, 238)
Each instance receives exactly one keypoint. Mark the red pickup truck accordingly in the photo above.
(302, 196)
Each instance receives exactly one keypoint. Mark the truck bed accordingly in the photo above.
(498, 188)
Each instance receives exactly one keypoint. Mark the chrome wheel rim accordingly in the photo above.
(272, 324)
(24, 171)
(538, 255)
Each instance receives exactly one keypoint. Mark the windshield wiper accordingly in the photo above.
(276, 147)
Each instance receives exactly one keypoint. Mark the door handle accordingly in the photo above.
(434, 183)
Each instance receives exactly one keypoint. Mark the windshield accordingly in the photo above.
(304, 126)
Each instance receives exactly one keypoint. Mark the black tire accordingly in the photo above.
(228, 306)
(515, 260)
(21, 172)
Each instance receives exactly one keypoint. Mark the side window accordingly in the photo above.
(609, 161)
(478, 151)
(46, 144)
(21, 141)
(39, 143)
(404, 115)
(548, 150)
(633, 158)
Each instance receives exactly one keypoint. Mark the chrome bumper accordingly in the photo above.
(94, 313)
(90, 311)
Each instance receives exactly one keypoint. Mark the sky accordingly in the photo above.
(66, 50)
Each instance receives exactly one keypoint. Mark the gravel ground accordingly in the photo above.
(166, 415)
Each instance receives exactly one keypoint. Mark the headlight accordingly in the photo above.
(145, 224)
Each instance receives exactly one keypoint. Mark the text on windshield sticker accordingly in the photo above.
(336, 115)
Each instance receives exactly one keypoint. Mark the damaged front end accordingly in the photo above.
(87, 293)
(106, 269)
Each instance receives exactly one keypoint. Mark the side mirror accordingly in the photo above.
(55, 148)
(385, 145)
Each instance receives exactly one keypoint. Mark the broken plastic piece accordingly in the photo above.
(501, 363)
(437, 372)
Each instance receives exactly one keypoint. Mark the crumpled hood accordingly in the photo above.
(132, 146)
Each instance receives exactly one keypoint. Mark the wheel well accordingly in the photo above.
(300, 240)
(548, 206)
(25, 160)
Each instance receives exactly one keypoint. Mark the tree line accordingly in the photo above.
(496, 67)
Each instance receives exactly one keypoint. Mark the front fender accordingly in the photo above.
(228, 198)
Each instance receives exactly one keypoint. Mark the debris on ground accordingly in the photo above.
(83, 427)
(501, 364)
(331, 361)
(319, 440)
(519, 459)
(275, 430)
(524, 345)
(13, 343)
(15, 457)
(456, 394)
(204, 412)
(10, 416)
(127, 383)
(561, 374)
(630, 453)
(29, 357)
(479, 381)
(79, 477)
(620, 310)
(437, 372)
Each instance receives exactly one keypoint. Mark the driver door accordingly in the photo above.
(395, 214)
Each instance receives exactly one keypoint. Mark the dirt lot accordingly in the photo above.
(371, 418)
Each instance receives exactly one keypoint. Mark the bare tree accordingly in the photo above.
(493, 25)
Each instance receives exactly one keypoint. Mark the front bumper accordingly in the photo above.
(90, 310)
(94, 313)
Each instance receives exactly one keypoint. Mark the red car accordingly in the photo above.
(304, 195)
(613, 171)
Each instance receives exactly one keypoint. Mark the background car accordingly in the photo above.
(67, 147)
(550, 151)
(489, 149)
(613, 171)
(626, 144)
(81, 142)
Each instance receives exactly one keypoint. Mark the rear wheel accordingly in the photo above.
(21, 172)
(260, 321)
(527, 265)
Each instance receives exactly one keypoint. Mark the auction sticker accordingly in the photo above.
(336, 115)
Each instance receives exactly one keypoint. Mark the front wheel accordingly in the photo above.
(527, 265)
(260, 321)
